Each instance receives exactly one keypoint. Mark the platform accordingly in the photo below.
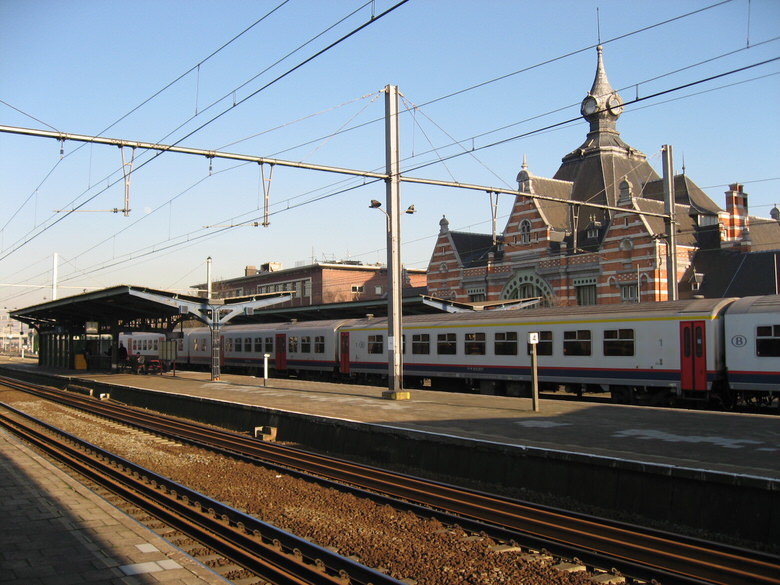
(55, 531)
(745, 444)
(715, 471)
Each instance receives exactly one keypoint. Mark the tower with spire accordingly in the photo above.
(569, 254)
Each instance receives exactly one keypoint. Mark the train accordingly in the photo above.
(722, 351)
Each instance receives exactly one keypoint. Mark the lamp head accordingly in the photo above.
(375, 204)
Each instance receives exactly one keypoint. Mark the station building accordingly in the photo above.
(578, 255)
(318, 283)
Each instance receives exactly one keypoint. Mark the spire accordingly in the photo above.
(602, 106)
(524, 177)
(601, 86)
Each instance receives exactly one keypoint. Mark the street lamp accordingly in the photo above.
(394, 314)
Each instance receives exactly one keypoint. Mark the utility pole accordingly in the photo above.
(394, 283)
(671, 224)
(54, 277)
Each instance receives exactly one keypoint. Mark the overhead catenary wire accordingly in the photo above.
(637, 100)
(577, 119)
(250, 96)
(150, 98)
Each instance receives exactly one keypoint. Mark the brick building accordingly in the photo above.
(318, 283)
(579, 255)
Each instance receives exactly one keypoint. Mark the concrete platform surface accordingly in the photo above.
(55, 531)
(744, 444)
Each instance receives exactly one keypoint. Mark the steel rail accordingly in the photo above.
(274, 554)
(650, 552)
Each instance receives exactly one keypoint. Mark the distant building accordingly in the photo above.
(318, 283)
(578, 255)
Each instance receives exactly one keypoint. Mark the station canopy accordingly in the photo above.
(121, 305)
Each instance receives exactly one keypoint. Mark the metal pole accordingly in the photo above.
(394, 283)
(534, 378)
(208, 278)
(216, 374)
(54, 278)
(671, 224)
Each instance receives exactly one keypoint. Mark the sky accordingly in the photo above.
(482, 85)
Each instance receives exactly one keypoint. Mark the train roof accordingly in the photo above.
(709, 307)
(762, 304)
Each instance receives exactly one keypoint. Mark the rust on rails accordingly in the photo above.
(637, 551)
(271, 553)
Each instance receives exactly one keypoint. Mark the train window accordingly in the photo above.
(269, 345)
(506, 343)
(180, 345)
(156, 341)
(474, 344)
(376, 344)
(445, 344)
(306, 344)
(576, 342)
(292, 344)
(768, 341)
(545, 345)
(421, 343)
(258, 345)
(319, 344)
(619, 342)
(228, 344)
(248, 344)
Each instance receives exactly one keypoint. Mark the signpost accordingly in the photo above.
(533, 341)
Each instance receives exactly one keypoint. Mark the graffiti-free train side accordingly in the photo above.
(723, 352)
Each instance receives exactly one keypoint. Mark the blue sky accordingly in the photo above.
(81, 67)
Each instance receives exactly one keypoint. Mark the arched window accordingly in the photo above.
(525, 232)
(527, 284)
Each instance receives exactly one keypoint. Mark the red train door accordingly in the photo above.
(280, 363)
(344, 352)
(693, 355)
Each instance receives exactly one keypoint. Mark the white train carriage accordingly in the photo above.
(291, 346)
(244, 346)
(310, 346)
(650, 350)
(140, 343)
(752, 344)
(197, 347)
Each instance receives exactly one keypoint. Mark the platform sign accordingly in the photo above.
(168, 351)
(533, 337)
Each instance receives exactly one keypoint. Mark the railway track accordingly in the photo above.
(634, 551)
(274, 555)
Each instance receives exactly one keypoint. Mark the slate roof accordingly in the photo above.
(764, 234)
(729, 273)
(686, 226)
(686, 192)
(472, 249)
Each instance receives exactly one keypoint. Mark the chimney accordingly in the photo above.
(250, 271)
(737, 209)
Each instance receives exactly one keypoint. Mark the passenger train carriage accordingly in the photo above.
(699, 349)
(655, 349)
